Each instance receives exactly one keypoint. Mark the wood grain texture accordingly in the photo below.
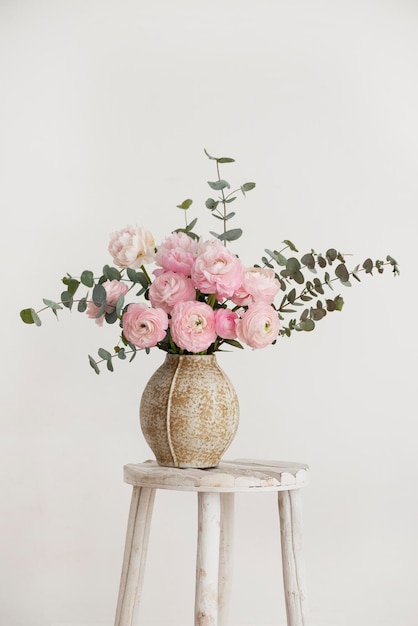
(214, 563)
(207, 561)
(292, 558)
(226, 562)
(135, 555)
(228, 476)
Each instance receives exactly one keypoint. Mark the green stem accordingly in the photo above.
(146, 275)
(211, 300)
(223, 201)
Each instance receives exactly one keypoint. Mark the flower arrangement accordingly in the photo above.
(201, 297)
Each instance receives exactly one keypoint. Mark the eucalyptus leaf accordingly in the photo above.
(27, 316)
(291, 296)
(318, 286)
(290, 245)
(304, 315)
(247, 187)
(132, 275)
(331, 255)
(342, 273)
(87, 278)
(111, 273)
(299, 278)
(71, 284)
(368, 266)
(277, 256)
(318, 313)
(111, 317)
(308, 260)
(82, 305)
(185, 204)
(231, 235)
(191, 225)
(266, 262)
(119, 304)
(306, 325)
(121, 353)
(94, 364)
(233, 342)
(99, 295)
(211, 204)
(51, 304)
(67, 299)
(104, 354)
(219, 184)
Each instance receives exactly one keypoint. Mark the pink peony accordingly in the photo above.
(169, 288)
(225, 321)
(144, 326)
(132, 247)
(217, 270)
(177, 253)
(259, 285)
(114, 289)
(193, 326)
(259, 325)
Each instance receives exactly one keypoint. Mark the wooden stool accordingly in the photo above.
(216, 488)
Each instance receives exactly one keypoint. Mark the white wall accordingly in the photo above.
(105, 110)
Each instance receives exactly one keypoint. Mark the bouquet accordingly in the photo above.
(201, 297)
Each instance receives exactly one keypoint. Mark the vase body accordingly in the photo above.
(189, 411)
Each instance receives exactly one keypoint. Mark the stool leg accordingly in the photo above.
(135, 554)
(207, 561)
(292, 557)
(225, 557)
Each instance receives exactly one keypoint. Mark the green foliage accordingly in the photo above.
(307, 280)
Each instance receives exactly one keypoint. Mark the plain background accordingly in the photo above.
(105, 110)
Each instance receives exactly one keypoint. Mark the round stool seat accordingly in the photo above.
(228, 476)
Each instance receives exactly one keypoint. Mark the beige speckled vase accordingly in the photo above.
(189, 411)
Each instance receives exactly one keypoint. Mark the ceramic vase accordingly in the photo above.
(189, 411)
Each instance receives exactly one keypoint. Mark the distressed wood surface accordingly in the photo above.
(292, 557)
(225, 556)
(229, 476)
(135, 555)
(207, 560)
(216, 488)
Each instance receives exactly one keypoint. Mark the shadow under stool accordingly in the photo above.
(215, 488)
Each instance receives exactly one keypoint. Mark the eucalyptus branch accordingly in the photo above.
(188, 300)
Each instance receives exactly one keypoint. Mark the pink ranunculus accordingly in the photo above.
(114, 289)
(225, 321)
(132, 247)
(259, 326)
(177, 253)
(192, 326)
(217, 270)
(259, 285)
(144, 326)
(169, 288)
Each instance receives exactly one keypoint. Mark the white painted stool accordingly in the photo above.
(216, 488)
